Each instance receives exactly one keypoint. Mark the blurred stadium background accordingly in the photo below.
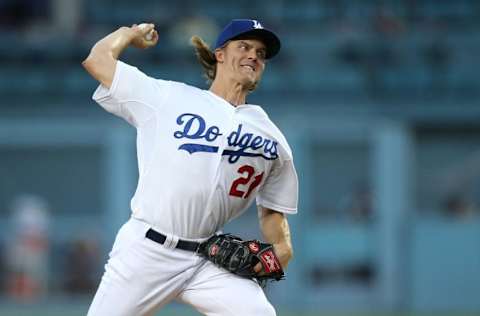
(379, 100)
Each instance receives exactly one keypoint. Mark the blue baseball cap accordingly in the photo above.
(240, 28)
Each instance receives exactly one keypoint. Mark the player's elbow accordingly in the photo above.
(91, 64)
(100, 67)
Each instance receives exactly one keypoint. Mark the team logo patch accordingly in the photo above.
(254, 247)
(257, 25)
(270, 261)
(213, 250)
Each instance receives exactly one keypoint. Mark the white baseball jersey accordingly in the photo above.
(201, 160)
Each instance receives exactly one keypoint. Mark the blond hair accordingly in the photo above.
(206, 57)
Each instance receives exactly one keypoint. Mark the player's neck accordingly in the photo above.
(235, 93)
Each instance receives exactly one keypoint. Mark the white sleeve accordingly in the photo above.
(132, 95)
(280, 191)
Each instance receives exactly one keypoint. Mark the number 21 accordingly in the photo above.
(247, 173)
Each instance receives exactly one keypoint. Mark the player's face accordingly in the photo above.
(244, 61)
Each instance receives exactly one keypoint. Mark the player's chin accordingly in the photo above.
(252, 85)
(251, 82)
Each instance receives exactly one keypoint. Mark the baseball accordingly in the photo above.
(149, 35)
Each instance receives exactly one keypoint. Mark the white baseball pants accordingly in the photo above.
(141, 276)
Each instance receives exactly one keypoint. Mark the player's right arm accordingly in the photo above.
(102, 60)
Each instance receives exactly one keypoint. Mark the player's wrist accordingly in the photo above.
(114, 43)
(284, 253)
(126, 35)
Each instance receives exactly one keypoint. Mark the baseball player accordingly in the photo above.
(203, 157)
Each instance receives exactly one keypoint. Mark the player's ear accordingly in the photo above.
(220, 55)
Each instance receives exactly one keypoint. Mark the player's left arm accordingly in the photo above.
(276, 231)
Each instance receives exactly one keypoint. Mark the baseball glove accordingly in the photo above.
(240, 256)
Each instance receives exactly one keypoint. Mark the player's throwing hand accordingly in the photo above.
(144, 35)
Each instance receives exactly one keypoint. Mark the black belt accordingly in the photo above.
(182, 244)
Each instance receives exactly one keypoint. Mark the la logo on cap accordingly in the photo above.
(249, 27)
(257, 25)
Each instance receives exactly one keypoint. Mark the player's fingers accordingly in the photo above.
(142, 29)
(146, 28)
(154, 39)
